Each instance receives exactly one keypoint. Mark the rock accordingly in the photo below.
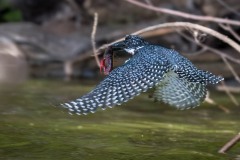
(13, 65)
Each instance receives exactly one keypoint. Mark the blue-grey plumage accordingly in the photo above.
(177, 81)
(179, 92)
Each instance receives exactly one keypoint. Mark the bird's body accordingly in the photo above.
(176, 80)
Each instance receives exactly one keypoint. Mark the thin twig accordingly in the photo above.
(230, 144)
(211, 101)
(237, 78)
(93, 35)
(183, 14)
(218, 52)
(231, 9)
(230, 30)
(234, 100)
(149, 2)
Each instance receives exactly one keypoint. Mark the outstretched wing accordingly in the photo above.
(179, 92)
(123, 83)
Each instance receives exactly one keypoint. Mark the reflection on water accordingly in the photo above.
(34, 127)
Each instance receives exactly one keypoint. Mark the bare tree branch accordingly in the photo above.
(93, 38)
(218, 52)
(149, 2)
(211, 101)
(183, 14)
(196, 27)
(221, 54)
(228, 7)
(237, 78)
(230, 30)
(234, 100)
(187, 25)
(230, 144)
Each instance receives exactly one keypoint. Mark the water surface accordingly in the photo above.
(32, 127)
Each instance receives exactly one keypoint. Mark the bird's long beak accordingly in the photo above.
(118, 45)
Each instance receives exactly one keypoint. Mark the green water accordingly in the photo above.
(31, 127)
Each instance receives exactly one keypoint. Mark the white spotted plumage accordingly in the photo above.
(178, 82)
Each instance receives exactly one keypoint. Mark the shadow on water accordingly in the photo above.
(33, 128)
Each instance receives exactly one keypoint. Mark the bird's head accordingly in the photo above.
(130, 44)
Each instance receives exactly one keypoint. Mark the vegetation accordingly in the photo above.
(9, 13)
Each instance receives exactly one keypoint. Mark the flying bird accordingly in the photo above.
(177, 82)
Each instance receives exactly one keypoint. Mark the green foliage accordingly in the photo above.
(8, 13)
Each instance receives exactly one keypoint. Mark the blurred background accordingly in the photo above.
(46, 38)
(46, 58)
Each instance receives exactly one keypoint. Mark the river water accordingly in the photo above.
(33, 126)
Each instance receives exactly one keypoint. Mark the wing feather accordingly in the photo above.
(180, 93)
(122, 84)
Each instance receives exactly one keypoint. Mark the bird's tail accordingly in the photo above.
(180, 93)
(209, 77)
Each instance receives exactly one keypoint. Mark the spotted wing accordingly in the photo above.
(123, 83)
(180, 93)
(189, 72)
